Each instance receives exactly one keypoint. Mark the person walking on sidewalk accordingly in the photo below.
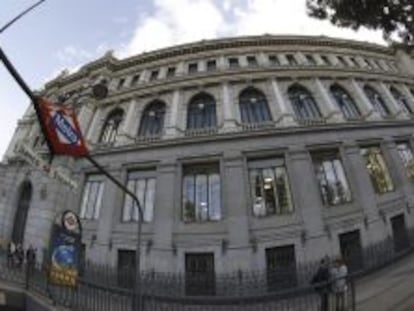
(320, 282)
(339, 286)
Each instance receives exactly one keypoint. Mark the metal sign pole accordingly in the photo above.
(136, 299)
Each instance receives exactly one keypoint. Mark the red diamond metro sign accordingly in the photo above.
(62, 129)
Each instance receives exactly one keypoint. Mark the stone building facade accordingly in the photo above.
(245, 153)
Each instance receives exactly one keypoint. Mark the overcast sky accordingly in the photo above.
(68, 33)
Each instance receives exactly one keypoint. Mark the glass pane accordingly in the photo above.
(283, 191)
(99, 199)
(201, 197)
(127, 213)
(149, 200)
(85, 198)
(323, 187)
(387, 182)
(332, 185)
(140, 193)
(269, 191)
(188, 198)
(92, 200)
(256, 188)
(343, 187)
(214, 197)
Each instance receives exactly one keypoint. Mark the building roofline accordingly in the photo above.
(112, 63)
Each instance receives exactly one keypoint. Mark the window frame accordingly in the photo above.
(254, 112)
(146, 124)
(85, 202)
(207, 119)
(300, 95)
(111, 126)
(338, 93)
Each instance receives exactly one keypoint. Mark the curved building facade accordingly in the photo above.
(245, 153)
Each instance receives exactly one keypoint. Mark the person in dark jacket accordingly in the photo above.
(320, 282)
(31, 258)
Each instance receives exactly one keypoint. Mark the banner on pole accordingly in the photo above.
(65, 247)
(62, 129)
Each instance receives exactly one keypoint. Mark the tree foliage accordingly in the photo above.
(395, 18)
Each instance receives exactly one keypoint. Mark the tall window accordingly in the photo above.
(406, 155)
(211, 65)
(92, 197)
(376, 101)
(274, 60)
(171, 72)
(310, 60)
(233, 62)
(201, 112)
(377, 169)
(251, 61)
(281, 267)
(134, 80)
(291, 59)
(143, 185)
(401, 100)
(333, 184)
(152, 121)
(304, 104)
(253, 106)
(199, 274)
(201, 197)
(269, 188)
(111, 126)
(345, 102)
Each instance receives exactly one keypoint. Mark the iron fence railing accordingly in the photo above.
(104, 287)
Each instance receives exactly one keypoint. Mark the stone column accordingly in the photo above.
(364, 192)
(407, 63)
(171, 122)
(84, 117)
(112, 200)
(93, 131)
(162, 257)
(366, 108)
(301, 59)
(287, 116)
(334, 113)
(235, 210)
(408, 95)
(318, 59)
(228, 112)
(126, 133)
(308, 204)
(391, 101)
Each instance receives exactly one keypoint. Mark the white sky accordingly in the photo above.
(147, 25)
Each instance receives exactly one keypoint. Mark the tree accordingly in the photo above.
(395, 18)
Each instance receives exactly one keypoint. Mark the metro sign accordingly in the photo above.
(62, 129)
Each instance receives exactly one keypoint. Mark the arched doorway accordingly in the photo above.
(23, 204)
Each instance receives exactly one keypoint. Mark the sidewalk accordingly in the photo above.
(390, 289)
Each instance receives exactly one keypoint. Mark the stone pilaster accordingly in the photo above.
(172, 121)
(287, 116)
(366, 108)
(228, 111)
(334, 114)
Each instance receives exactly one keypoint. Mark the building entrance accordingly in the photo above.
(20, 218)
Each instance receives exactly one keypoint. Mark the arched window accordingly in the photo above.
(152, 121)
(376, 101)
(401, 100)
(111, 126)
(201, 112)
(303, 103)
(345, 102)
(253, 106)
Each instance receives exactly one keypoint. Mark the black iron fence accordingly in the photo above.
(107, 288)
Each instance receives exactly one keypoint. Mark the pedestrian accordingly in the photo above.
(11, 252)
(31, 258)
(320, 282)
(19, 255)
(339, 286)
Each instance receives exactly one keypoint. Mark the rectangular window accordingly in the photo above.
(281, 267)
(199, 274)
(351, 250)
(92, 197)
(291, 59)
(325, 60)
(406, 156)
(143, 185)
(211, 65)
(251, 61)
(126, 268)
(377, 169)
(192, 68)
(134, 80)
(233, 62)
(273, 60)
(399, 233)
(201, 196)
(154, 75)
(269, 188)
(333, 184)
(311, 61)
(121, 83)
(170, 72)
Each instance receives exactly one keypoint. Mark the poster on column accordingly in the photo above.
(65, 247)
